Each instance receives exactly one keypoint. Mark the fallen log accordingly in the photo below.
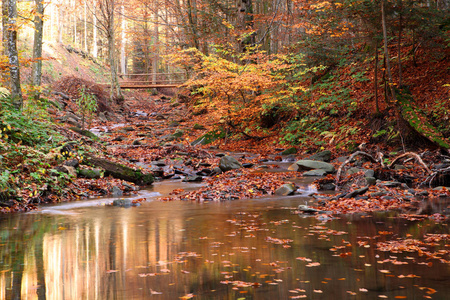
(119, 171)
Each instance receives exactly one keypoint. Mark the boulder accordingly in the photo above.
(371, 180)
(285, 190)
(321, 156)
(116, 191)
(289, 151)
(315, 172)
(123, 202)
(228, 163)
(90, 174)
(369, 173)
(307, 164)
(193, 178)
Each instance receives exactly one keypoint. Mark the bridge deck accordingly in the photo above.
(143, 86)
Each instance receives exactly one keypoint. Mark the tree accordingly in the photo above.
(13, 54)
(37, 44)
(105, 15)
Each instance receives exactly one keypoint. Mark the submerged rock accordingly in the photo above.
(285, 190)
(228, 163)
(123, 202)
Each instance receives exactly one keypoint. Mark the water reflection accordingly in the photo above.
(253, 249)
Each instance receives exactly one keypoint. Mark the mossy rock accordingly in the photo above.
(209, 137)
(418, 121)
(85, 133)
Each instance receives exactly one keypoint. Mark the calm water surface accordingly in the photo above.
(249, 249)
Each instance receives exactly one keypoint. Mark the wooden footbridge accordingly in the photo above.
(151, 80)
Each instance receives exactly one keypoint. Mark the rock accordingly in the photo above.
(67, 170)
(378, 194)
(316, 172)
(220, 154)
(371, 180)
(289, 151)
(390, 183)
(137, 142)
(369, 173)
(307, 164)
(307, 209)
(116, 191)
(321, 156)
(129, 187)
(357, 192)
(329, 187)
(216, 171)
(228, 163)
(102, 117)
(441, 188)
(294, 167)
(174, 124)
(159, 163)
(198, 127)
(247, 165)
(285, 190)
(128, 128)
(118, 138)
(342, 159)
(353, 170)
(90, 174)
(72, 163)
(290, 158)
(193, 178)
(123, 202)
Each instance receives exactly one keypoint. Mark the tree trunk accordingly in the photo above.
(13, 55)
(386, 52)
(155, 44)
(120, 171)
(5, 27)
(399, 55)
(94, 28)
(85, 28)
(123, 58)
(375, 81)
(37, 44)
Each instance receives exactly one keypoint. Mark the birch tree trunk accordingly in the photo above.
(85, 28)
(37, 43)
(123, 60)
(115, 87)
(155, 44)
(13, 55)
(94, 28)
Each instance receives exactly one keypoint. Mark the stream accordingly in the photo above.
(244, 249)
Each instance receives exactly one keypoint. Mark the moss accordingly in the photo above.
(418, 122)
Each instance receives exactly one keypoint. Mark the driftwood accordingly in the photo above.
(414, 155)
(379, 159)
(362, 153)
(432, 177)
(119, 171)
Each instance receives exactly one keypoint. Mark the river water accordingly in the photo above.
(245, 249)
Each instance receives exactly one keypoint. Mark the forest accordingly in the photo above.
(293, 122)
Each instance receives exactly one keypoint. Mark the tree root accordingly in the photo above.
(379, 159)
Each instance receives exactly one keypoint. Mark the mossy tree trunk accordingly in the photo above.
(117, 170)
